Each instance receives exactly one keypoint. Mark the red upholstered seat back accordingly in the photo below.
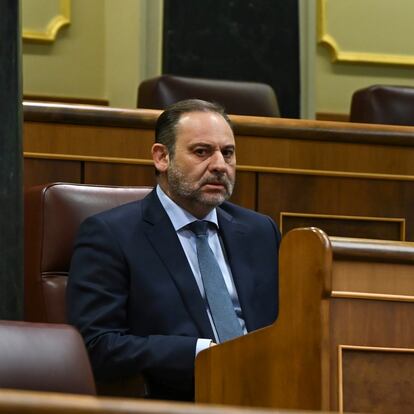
(240, 98)
(44, 357)
(383, 104)
(53, 213)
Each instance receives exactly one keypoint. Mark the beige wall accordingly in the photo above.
(336, 82)
(366, 32)
(108, 48)
(133, 42)
(111, 45)
(73, 65)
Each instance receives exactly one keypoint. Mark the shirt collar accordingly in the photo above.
(178, 216)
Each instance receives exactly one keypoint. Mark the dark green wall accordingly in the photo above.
(11, 159)
(249, 40)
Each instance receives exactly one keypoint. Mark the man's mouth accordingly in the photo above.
(215, 185)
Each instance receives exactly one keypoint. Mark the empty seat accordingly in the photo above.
(241, 98)
(383, 104)
(44, 357)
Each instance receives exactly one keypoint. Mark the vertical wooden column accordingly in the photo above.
(11, 159)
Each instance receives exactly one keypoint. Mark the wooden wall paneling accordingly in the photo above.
(261, 142)
(371, 323)
(376, 380)
(354, 278)
(67, 140)
(289, 149)
(245, 191)
(42, 171)
(119, 174)
(337, 169)
(371, 305)
(344, 226)
(339, 195)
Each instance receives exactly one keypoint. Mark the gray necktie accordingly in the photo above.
(218, 297)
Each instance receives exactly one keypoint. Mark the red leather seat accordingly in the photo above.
(44, 357)
(240, 98)
(383, 104)
(53, 213)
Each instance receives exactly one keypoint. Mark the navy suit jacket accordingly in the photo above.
(132, 294)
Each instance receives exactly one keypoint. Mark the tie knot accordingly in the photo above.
(199, 227)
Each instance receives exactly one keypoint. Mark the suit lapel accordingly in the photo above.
(164, 240)
(234, 235)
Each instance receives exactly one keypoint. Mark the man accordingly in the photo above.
(136, 290)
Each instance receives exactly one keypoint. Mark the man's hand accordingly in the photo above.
(212, 344)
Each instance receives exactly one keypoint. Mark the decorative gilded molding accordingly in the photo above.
(339, 55)
(341, 348)
(48, 34)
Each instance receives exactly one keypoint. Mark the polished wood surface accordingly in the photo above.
(25, 402)
(351, 206)
(349, 179)
(282, 365)
(361, 368)
(65, 99)
(332, 116)
(334, 293)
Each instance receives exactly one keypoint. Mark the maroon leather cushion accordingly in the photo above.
(240, 98)
(44, 357)
(383, 104)
(53, 213)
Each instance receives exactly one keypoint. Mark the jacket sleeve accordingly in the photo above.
(97, 304)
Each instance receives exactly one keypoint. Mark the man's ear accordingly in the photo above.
(160, 157)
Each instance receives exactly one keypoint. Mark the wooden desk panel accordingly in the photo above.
(360, 369)
(303, 360)
(262, 142)
(361, 171)
(387, 204)
(40, 171)
(35, 402)
(119, 174)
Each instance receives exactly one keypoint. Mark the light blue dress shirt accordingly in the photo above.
(180, 218)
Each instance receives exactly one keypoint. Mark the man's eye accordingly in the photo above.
(200, 151)
(228, 153)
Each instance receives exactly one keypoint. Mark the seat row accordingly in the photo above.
(377, 104)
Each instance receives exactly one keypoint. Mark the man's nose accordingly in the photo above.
(217, 162)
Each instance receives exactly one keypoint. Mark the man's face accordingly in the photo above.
(201, 174)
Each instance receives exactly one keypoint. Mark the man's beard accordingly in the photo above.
(181, 187)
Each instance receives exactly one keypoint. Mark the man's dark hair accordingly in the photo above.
(165, 128)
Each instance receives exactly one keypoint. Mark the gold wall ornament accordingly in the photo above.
(42, 19)
(358, 32)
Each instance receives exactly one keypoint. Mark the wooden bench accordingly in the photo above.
(344, 339)
(24, 402)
